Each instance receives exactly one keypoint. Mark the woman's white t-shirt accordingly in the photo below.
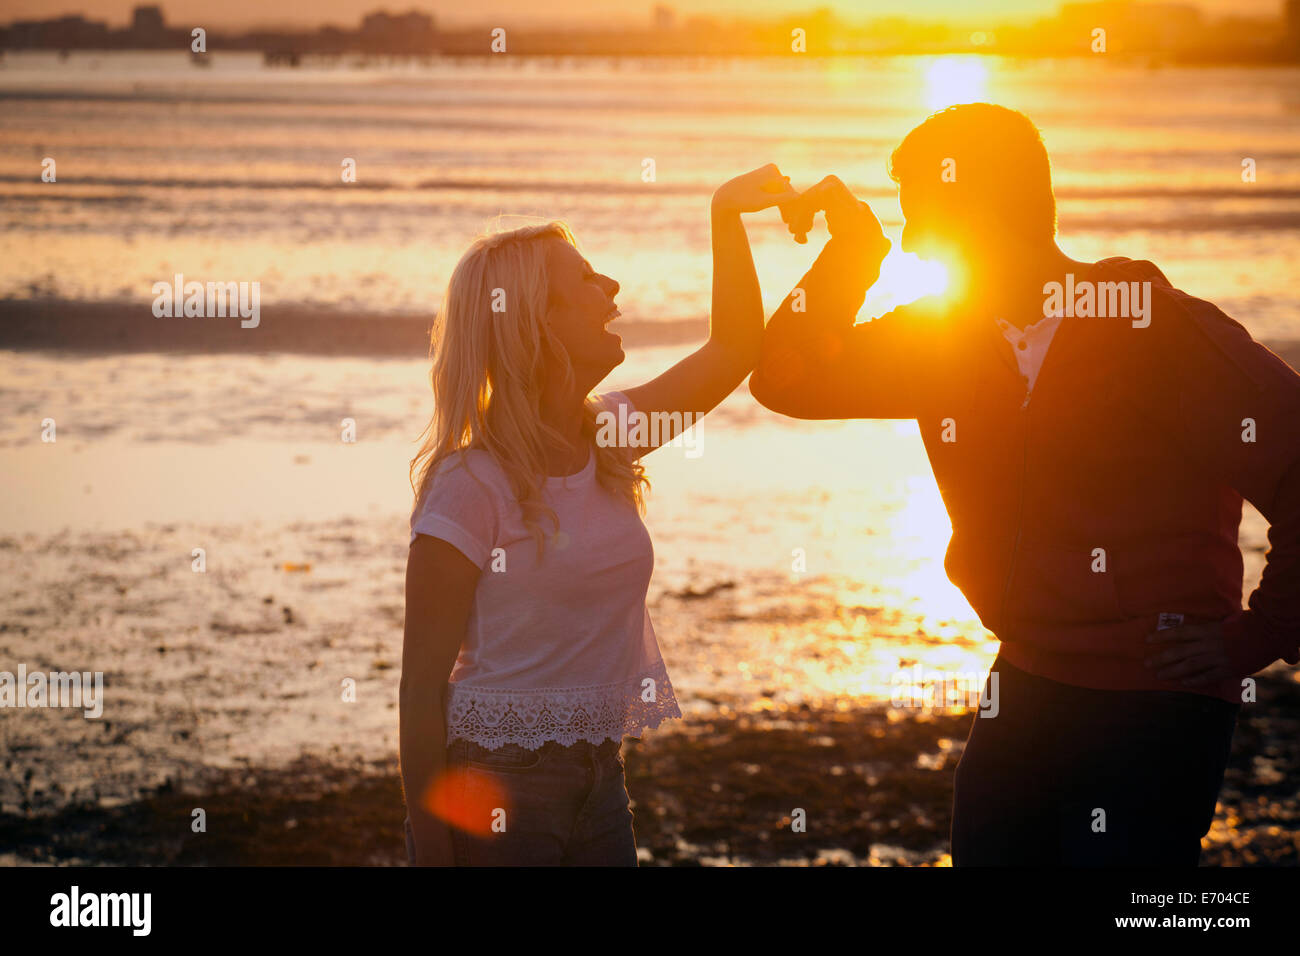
(560, 648)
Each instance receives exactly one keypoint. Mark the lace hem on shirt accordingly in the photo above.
(492, 718)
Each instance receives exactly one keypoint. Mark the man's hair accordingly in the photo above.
(998, 160)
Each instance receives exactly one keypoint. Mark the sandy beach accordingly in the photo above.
(223, 688)
(222, 692)
(877, 788)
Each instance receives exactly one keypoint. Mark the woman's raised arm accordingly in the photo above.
(699, 382)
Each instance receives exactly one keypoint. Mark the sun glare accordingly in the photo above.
(904, 278)
(955, 79)
(924, 522)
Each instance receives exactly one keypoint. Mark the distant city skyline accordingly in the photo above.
(243, 14)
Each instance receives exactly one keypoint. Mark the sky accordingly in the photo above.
(230, 14)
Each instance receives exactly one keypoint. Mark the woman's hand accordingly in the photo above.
(432, 839)
(755, 190)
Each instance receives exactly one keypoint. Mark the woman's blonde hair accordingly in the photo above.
(489, 369)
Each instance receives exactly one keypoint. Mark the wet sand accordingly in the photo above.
(222, 693)
(876, 785)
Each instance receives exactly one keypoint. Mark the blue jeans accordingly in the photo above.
(554, 806)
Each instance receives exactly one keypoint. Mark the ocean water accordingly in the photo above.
(233, 173)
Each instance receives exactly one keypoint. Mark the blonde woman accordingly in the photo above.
(528, 651)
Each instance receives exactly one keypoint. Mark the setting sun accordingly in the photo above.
(904, 278)
(955, 79)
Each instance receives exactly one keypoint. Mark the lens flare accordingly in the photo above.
(466, 801)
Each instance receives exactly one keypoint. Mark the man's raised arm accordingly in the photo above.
(815, 363)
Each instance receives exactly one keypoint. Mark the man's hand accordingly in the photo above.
(1194, 654)
(846, 215)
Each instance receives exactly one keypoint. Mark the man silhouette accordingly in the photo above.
(1093, 432)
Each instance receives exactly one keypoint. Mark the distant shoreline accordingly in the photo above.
(67, 327)
(119, 327)
(290, 58)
